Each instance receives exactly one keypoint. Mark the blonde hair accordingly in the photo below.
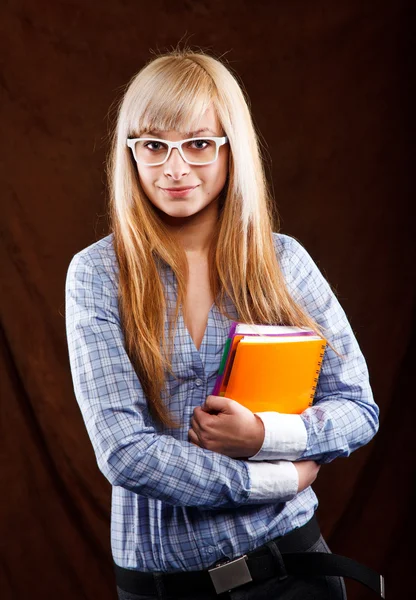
(173, 91)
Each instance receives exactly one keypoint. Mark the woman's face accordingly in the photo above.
(207, 180)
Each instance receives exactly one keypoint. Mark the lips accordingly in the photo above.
(180, 189)
(179, 192)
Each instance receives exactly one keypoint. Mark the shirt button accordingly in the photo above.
(210, 549)
(198, 382)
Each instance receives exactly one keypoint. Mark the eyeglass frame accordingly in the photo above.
(219, 141)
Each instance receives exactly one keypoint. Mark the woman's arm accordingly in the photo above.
(129, 451)
(344, 415)
(225, 426)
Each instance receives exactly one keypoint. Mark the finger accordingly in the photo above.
(202, 419)
(216, 404)
(195, 425)
(193, 438)
(198, 416)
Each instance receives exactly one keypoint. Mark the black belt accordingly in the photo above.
(263, 563)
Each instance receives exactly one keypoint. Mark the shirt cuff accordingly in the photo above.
(273, 481)
(285, 437)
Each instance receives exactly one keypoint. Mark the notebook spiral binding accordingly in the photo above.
(315, 379)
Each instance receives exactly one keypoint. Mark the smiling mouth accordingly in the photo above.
(180, 189)
(178, 192)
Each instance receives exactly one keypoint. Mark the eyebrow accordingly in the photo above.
(189, 133)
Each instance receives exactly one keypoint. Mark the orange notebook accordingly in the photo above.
(276, 374)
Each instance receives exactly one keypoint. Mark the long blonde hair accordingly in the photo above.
(173, 91)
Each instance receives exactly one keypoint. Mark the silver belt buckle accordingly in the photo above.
(230, 575)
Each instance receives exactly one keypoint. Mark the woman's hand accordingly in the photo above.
(225, 426)
(307, 472)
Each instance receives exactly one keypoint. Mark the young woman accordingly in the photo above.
(199, 480)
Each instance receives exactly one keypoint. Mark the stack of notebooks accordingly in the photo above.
(270, 367)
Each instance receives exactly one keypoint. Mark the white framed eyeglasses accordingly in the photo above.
(194, 151)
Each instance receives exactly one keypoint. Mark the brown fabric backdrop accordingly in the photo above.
(330, 86)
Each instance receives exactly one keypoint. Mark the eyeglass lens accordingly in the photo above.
(197, 150)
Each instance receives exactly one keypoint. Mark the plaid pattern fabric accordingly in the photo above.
(176, 506)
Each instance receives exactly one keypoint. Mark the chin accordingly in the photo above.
(181, 212)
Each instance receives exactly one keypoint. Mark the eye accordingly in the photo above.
(159, 145)
(199, 143)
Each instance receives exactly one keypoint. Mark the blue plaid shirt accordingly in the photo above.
(176, 506)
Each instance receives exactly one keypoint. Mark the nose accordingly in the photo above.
(175, 167)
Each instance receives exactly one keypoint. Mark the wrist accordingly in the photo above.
(259, 434)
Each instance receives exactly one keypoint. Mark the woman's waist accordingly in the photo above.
(154, 536)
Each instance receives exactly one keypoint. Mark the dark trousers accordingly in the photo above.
(292, 588)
